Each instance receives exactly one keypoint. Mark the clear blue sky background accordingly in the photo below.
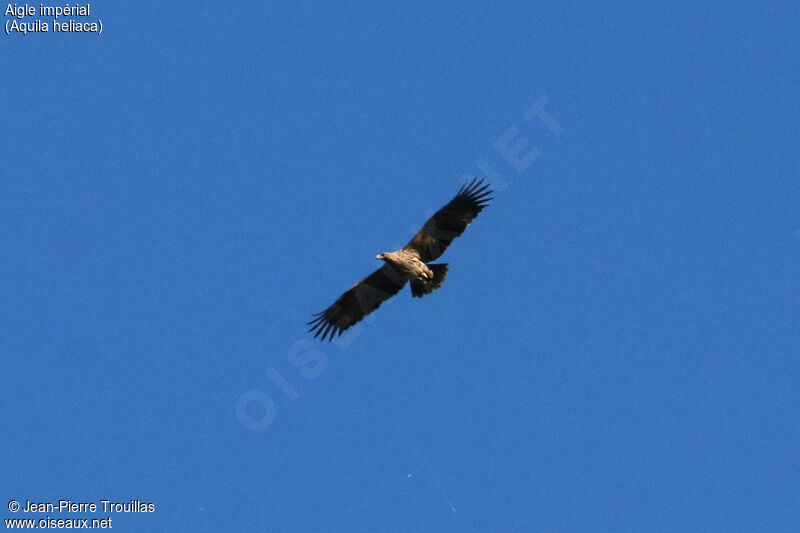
(615, 348)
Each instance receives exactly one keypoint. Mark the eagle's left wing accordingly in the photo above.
(450, 221)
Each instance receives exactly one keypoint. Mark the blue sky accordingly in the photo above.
(615, 347)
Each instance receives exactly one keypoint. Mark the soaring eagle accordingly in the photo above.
(411, 263)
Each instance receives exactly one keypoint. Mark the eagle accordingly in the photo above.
(409, 264)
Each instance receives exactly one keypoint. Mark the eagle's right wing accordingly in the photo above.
(358, 301)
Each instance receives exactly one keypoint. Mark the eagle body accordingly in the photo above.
(413, 264)
(407, 263)
(424, 278)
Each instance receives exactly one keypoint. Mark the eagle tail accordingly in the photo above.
(420, 288)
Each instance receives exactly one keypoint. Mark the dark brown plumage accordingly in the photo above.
(407, 264)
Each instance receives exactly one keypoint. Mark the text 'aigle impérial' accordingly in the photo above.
(20, 13)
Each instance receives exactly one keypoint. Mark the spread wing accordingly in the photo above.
(450, 221)
(358, 301)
